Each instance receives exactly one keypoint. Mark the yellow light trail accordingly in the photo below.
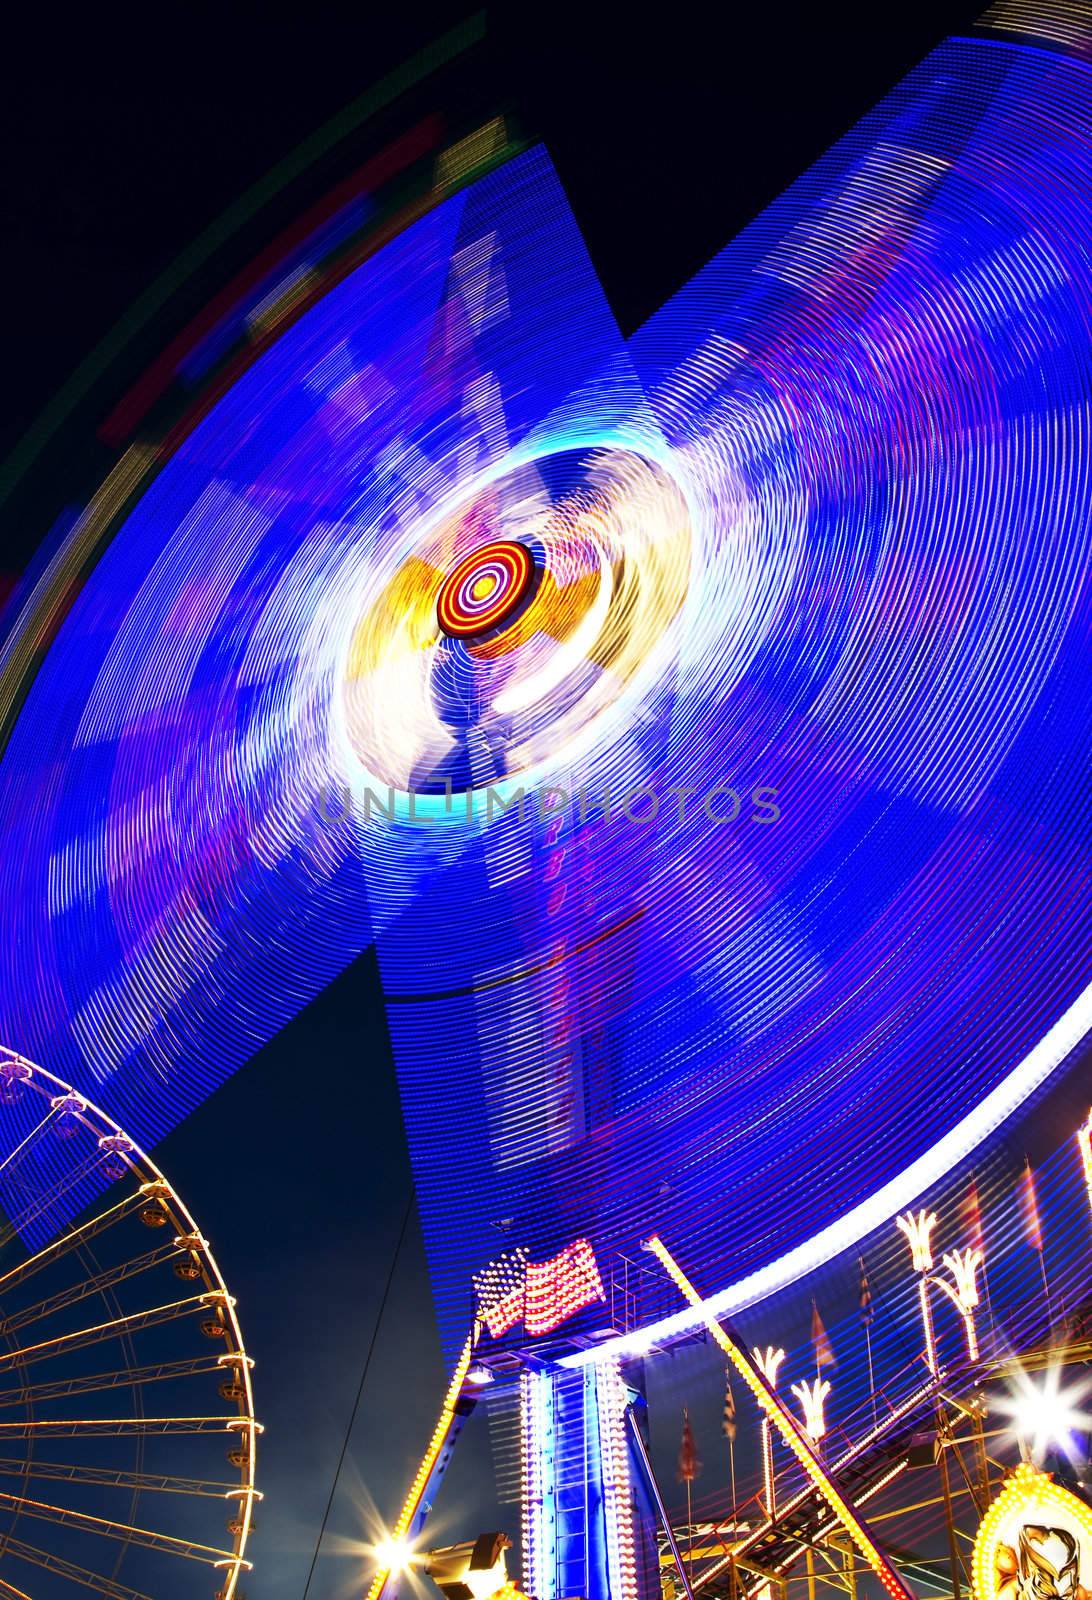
(413, 1499)
(786, 1426)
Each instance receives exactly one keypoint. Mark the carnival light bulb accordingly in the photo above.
(767, 1362)
(812, 1397)
(917, 1230)
(964, 1265)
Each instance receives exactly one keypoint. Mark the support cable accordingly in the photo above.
(359, 1393)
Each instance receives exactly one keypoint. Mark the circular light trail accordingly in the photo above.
(485, 590)
(796, 905)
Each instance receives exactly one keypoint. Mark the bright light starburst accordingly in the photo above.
(1043, 1413)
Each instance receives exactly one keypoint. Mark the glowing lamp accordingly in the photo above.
(917, 1230)
(1045, 1414)
(812, 1398)
(394, 1555)
(767, 1361)
(964, 1265)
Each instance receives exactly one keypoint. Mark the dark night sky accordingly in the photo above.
(123, 141)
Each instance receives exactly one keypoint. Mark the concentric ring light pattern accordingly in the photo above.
(484, 590)
(800, 696)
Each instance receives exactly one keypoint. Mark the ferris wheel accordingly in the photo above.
(127, 1429)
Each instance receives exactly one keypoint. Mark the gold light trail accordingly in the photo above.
(786, 1426)
(401, 1528)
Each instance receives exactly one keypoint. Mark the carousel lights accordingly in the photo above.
(323, 574)
(856, 1224)
(484, 589)
(987, 639)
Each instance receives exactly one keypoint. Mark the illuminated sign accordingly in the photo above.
(543, 1294)
(1034, 1543)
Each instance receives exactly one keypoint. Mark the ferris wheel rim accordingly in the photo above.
(153, 1184)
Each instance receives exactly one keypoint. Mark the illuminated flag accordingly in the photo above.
(540, 1294)
(1029, 1204)
(971, 1216)
(824, 1354)
(561, 1287)
(867, 1309)
(689, 1465)
(728, 1425)
(501, 1287)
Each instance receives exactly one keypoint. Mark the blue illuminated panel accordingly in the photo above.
(797, 908)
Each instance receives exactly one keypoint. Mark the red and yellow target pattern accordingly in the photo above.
(484, 589)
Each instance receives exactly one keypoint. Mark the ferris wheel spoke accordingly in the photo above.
(8, 1591)
(144, 1538)
(156, 1483)
(75, 1237)
(119, 1427)
(69, 1569)
(12, 1161)
(119, 1378)
(96, 1285)
(40, 1204)
(82, 1337)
